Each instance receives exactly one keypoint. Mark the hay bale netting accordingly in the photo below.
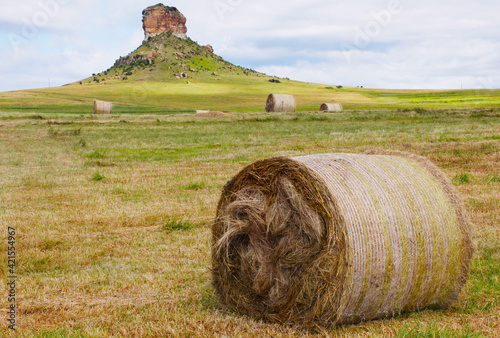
(331, 107)
(281, 103)
(339, 238)
(102, 107)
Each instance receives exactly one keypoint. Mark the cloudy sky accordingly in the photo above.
(377, 43)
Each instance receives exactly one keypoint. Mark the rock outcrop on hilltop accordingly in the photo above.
(160, 19)
(209, 48)
(168, 53)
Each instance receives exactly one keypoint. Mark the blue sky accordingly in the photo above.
(378, 43)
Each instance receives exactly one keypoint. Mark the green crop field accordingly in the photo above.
(112, 213)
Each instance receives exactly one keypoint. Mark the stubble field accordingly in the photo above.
(113, 213)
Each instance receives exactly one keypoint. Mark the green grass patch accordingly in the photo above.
(462, 178)
(62, 333)
(433, 330)
(178, 225)
(54, 132)
(492, 178)
(482, 290)
(97, 154)
(195, 186)
(36, 117)
(97, 176)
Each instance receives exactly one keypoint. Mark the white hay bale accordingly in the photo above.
(281, 103)
(331, 107)
(102, 107)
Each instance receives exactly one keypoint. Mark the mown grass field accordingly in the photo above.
(113, 213)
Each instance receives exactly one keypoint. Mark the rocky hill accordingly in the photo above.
(167, 54)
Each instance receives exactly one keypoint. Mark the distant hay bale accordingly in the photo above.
(331, 107)
(102, 107)
(201, 112)
(339, 238)
(208, 113)
(281, 103)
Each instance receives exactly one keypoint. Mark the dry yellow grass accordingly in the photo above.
(128, 254)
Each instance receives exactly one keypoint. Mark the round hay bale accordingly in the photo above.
(339, 238)
(102, 107)
(281, 103)
(331, 107)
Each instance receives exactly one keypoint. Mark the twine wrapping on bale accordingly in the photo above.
(339, 238)
(281, 103)
(102, 107)
(331, 107)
